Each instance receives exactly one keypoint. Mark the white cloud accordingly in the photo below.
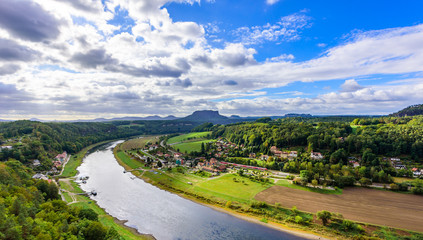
(271, 2)
(167, 67)
(350, 86)
(287, 29)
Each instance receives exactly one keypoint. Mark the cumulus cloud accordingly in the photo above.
(157, 63)
(350, 86)
(11, 51)
(93, 58)
(7, 69)
(28, 20)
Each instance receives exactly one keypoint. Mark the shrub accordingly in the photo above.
(259, 205)
(348, 225)
(325, 216)
(299, 220)
(228, 204)
(394, 187)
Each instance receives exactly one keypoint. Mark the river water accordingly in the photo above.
(154, 211)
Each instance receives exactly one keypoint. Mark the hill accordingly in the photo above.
(206, 116)
(412, 110)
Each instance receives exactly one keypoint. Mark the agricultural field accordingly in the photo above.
(139, 142)
(186, 137)
(359, 204)
(241, 189)
(191, 146)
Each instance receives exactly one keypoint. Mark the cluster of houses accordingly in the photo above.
(212, 166)
(397, 164)
(59, 160)
(283, 154)
(223, 147)
(417, 172)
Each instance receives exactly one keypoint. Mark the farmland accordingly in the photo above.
(191, 146)
(186, 137)
(139, 142)
(359, 204)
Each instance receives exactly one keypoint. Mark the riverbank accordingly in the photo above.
(71, 186)
(129, 164)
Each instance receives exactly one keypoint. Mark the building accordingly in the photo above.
(61, 157)
(316, 155)
(36, 163)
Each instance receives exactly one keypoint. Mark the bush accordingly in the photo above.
(89, 214)
(258, 205)
(325, 216)
(299, 220)
(228, 204)
(348, 225)
(394, 187)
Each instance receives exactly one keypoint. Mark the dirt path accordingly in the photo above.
(359, 204)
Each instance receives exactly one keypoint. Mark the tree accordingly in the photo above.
(325, 216)
(364, 182)
(95, 231)
(159, 164)
(89, 214)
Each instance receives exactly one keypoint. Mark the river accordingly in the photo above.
(160, 213)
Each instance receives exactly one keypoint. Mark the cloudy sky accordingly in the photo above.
(82, 59)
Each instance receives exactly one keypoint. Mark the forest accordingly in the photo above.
(32, 209)
(370, 141)
(37, 140)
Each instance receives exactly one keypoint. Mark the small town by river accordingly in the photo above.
(154, 211)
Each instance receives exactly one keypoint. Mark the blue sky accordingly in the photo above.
(73, 59)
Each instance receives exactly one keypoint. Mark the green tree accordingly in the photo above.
(325, 216)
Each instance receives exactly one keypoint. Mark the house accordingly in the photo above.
(264, 157)
(61, 157)
(356, 164)
(252, 155)
(57, 164)
(221, 168)
(177, 155)
(213, 161)
(273, 149)
(416, 172)
(316, 155)
(40, 176)
(36, 163)
(293, 154)
(5, 147)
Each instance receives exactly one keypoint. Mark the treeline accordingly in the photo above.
(31, 209)
(388, 136)
(36, 140)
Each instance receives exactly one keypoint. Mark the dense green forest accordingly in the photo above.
(370, 141)
(410, 111)
(31, 209)
(36, 140)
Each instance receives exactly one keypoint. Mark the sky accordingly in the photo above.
(85, 59)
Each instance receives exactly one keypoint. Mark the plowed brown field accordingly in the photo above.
(359, 204)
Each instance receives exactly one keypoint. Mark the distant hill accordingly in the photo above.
(297, 115)
(206, 116)
(409, 111)
(148, 118)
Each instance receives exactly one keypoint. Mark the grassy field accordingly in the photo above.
(185, 137)
(76, 160)
(242, 189)
(285, 183)
(190, 146)
(132, 163)
(139, 142)
(402, 179)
